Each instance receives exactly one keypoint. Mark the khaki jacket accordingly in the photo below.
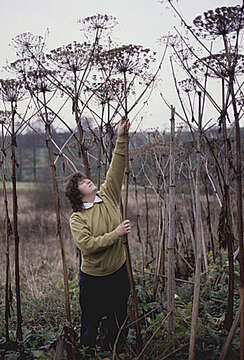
(93, 229)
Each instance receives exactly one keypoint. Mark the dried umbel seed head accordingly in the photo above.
(21, 66)
(221, 21)
(133, 59)
(72, 57)
(106, 92)
(187, 85)
(220, 65)
(29, 45)
(98, 21)
(40, 80)
(12, 90)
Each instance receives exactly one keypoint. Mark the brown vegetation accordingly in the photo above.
(40, 257)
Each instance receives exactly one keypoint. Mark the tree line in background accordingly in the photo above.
(111, 82)
(32, 155)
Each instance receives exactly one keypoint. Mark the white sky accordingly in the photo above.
(140, 22)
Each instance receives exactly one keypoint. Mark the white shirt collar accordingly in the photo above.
(88, 205)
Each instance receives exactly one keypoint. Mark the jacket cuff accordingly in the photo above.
(114, 235)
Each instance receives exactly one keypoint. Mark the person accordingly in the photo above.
(97, 228)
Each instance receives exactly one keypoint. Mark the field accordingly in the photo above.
(42, 288)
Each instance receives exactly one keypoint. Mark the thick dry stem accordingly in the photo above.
(128, 257)
(15, 228)
(171, 236)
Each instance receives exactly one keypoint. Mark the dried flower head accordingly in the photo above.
(184, 54)
(104, 22)
(220, 65)
(221, 21)
(106, 92)
(173, 40)
(73, 57)
(126, 59)
(187, 85)
(12, 90)
(40, 80)
(29, 45)
(21, 66)
(182, 50)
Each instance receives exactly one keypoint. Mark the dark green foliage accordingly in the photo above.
(43, 318)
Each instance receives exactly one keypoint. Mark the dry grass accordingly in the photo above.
(41, 271)
(40, 255)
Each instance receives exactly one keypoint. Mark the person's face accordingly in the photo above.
(87, 188)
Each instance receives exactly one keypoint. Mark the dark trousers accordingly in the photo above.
(104, 298)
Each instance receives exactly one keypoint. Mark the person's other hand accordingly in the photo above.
(123, 228)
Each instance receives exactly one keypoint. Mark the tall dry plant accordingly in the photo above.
(198, 242)
(67, 329)
(12, 91)
(128, 61)
(39, 86)
(4, 120)
(154, 159)
(224, 23)
(78, 63)
(227, 23)
(221, 66)
(74, 59)
(172, 230)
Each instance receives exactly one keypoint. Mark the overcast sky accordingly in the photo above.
(140, 22)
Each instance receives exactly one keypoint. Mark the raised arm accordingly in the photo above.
(115, 174)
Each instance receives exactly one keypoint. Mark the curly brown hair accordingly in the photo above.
(72, 192)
